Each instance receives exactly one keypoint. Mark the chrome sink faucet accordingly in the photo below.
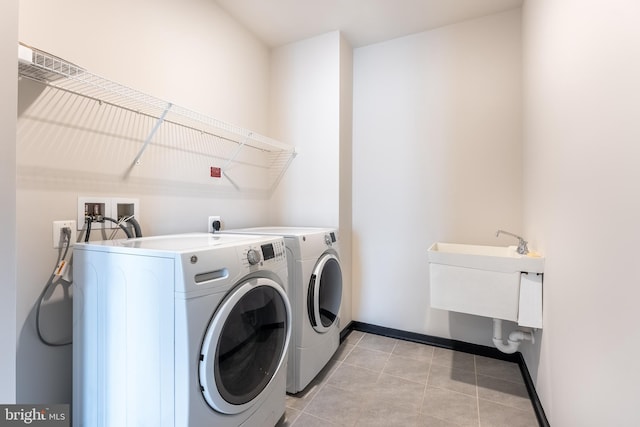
(522, 244)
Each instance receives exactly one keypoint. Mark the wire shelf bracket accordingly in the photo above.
(136, 161)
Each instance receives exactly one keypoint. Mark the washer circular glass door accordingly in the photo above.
(325, 293)
(245, 345)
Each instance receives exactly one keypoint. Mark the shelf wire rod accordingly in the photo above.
(136, 161)
(231, 159)
(284, 168)
(236, 186)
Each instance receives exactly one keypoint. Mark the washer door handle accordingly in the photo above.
(312, 301)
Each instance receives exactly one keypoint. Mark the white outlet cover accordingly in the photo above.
(57, 228)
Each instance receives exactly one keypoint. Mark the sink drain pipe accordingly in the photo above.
(514, 340)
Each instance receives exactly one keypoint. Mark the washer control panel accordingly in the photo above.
(264, 253)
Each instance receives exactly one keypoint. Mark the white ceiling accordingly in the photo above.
(363, 22)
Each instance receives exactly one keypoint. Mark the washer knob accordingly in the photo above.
(327, 239)
(253, 256)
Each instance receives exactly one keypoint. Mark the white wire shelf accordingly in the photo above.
(58, 73)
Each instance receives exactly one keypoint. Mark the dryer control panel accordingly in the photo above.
(330, 238)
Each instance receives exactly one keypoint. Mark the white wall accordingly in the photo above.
(436, 157)
(190, 53)
(310, 107)
(9, 90)
(304, 105)
(582, 150)
(346, 178)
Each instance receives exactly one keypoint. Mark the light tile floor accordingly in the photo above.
(378, 381)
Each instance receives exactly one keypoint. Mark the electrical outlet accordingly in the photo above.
(212, 219)
(57, 229)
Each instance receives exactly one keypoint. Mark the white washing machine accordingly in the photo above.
(315, 293)
(182, 330)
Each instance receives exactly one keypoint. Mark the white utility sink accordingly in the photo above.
(491, 281)
(503, 259)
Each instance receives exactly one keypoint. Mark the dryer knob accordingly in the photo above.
(253, 256)
(327, 239)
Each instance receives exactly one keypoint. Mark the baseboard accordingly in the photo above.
(533, 394)
(476, 349)
(465, 347)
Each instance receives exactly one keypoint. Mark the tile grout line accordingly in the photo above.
(314, 416)
(386, 362)
(426, 384)
(360, 406)
(505, 405)
(322, 388)
(502, 379)
(361, 409)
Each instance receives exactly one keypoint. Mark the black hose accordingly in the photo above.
(88, 233)
(121, 225)
(136, 226)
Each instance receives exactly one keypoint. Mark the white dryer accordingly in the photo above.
(315, 293)
(182, 330)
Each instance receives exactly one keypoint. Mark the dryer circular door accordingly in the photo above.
(245, 345)
(325, 293)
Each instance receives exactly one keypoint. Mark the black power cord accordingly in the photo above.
(54, 280)
(57, 274)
